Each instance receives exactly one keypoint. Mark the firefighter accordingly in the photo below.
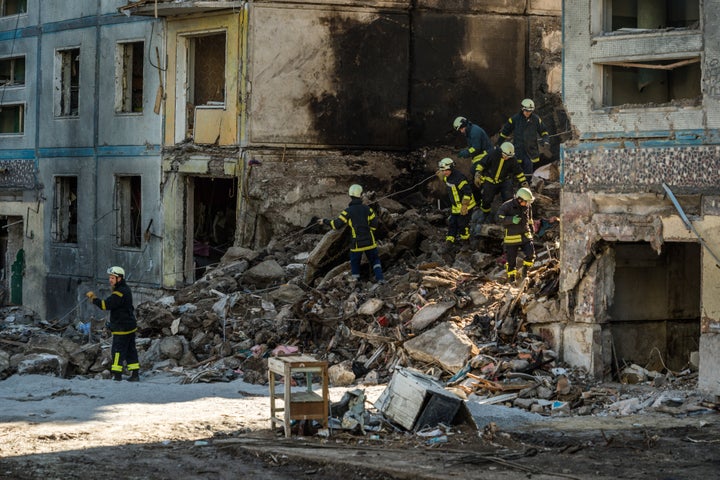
(516, 216)
(122, 324)
(478, 144)
(525, 127)
(461, 199)
(362, 222)
(496, 173)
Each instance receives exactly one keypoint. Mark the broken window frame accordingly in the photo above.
(17, 119)
(65, 210)
(130, 77)
(649, 66)
(12, 7)
(67, 82)
(12, 71)
(671, 21)
(187, 51)
(128, 208)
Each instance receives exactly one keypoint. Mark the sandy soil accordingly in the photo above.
(54, 428)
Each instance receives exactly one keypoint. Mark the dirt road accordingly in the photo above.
(83, 429)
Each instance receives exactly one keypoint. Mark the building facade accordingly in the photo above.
(639, 251)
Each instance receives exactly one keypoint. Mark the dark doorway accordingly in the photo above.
(212, 204)
(655, 315)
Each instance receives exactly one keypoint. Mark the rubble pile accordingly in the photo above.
(450, 315)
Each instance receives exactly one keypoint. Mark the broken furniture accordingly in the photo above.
(414, 401)
(303, 405)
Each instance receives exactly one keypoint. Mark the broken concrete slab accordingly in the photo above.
(42, 364)
(428, 314)
(445, 345)
(264, 274)
(371, 306)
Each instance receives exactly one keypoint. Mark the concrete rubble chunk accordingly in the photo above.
(264, 274)
(239, 253)
(341, 375)
(371, 306)
(287, 293)
(445, 345)
(42, 364)
(428, 314)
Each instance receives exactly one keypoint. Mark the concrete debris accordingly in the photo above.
(296, 295)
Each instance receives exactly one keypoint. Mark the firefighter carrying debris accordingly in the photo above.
(516, 216)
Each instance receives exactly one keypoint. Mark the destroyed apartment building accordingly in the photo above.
(159, 134)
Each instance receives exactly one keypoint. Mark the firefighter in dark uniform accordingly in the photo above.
(496, 173)
(122, 324)
(525, 127)
(461, 199)
(362, 222)
(478, 144)
(516, 216)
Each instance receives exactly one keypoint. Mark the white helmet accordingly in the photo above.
(459, 123)
(508, 149)
(117, 271)
(525, 194)
(528, 105)
(446, 164)
(355, 191)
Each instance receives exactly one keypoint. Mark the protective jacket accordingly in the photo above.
(495, 168)
(525, 132)
(362, 222)
(458, 190)
(122, 312)
(478, 143)
(515, 233)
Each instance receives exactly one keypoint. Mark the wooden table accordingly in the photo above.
(304, 405)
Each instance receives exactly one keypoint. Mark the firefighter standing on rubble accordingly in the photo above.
(478, 144)
(496, 173)
(516, 216)
(461, 199)
(122, 324)
(362, 222)
(525, 127)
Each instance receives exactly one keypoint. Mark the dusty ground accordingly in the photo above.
(52, 428)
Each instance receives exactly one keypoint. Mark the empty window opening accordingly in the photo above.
(130, 82)
(213, 215)
(12, 119)
(64, 219)
(655, 312)
(12, 71)
(12, 7)
(651, 14)
(206, 83)
(128, 205)
(67, 82)
(652, 82)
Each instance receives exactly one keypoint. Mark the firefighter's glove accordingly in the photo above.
(321, 221)
(524, 184)
(516, 219)
(464, 153)
(91, 295)
(479, 179)
(464, 207)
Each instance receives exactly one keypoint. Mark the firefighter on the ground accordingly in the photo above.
(497, 173)
(122, 324)
(525, 127)
(478, 144)
(362, 222)
(516, 216)
(461, 199)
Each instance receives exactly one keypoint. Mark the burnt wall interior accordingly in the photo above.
(655, 311)
(474, 66)
(213, 212)
(370, 69)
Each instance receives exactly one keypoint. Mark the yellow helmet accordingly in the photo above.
(508, 149)
(117, 271)
(446, 164)
(355, 191)
(525, 194)
(459, 123)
